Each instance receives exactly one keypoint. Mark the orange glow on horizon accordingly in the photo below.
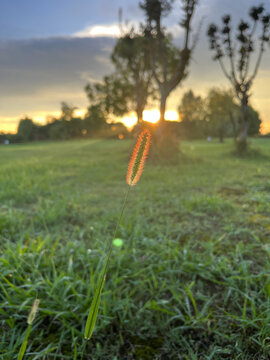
(10, 124)
(265, 128)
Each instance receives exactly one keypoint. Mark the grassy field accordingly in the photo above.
(191, 281)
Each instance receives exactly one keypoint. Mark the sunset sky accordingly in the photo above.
(49, 50)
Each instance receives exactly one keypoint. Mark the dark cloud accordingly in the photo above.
(42, 71)
(27, 66)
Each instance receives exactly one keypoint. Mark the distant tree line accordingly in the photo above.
(216, 115)
(67, 126)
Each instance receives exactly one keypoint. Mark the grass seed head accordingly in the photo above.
(33, 312)
(138, 157)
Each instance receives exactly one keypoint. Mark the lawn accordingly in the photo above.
(191, 281)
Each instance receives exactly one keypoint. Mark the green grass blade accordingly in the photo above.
(24, 344)
(191, 297)
(92, 316)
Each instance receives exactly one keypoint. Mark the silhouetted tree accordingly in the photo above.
(27, 129)
(67, 126)
(222, 113)
(58, 130)
(67, 111)
(95, 119)
(240, 76)
(111, 95)
(3, 137)
(131, 59)
(191, 112)
(169, 64)
(254, 121)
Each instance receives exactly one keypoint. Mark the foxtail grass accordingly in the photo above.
(134, 173)
(30, 320)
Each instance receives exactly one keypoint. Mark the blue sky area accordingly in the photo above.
(22, 19)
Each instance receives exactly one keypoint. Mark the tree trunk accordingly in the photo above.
(244, 124)
(141, 96)
(162, 108)
(221, 129)
(243, 131)
(233, 125)
(221, 137)
(165, 144)
(139, 113)
(161, 125)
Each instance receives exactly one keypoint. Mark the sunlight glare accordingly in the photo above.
(80, 112)
(154, 115)
(171, 115)
(130, 120)
(151, 116)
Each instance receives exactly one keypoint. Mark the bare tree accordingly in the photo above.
(238, 52)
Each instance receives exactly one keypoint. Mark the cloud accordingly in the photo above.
(38, 74)
(88, 76)
(111, 30)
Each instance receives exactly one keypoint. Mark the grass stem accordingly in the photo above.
(92, 316)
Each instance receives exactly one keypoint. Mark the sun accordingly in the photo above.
(171, 115)
(80, 112)
(130, 120)
(153, 116)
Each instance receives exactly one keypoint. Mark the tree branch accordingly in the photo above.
(258, 60)
(197, 35)
(231, 56)
(248, 58)
(232, 80)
